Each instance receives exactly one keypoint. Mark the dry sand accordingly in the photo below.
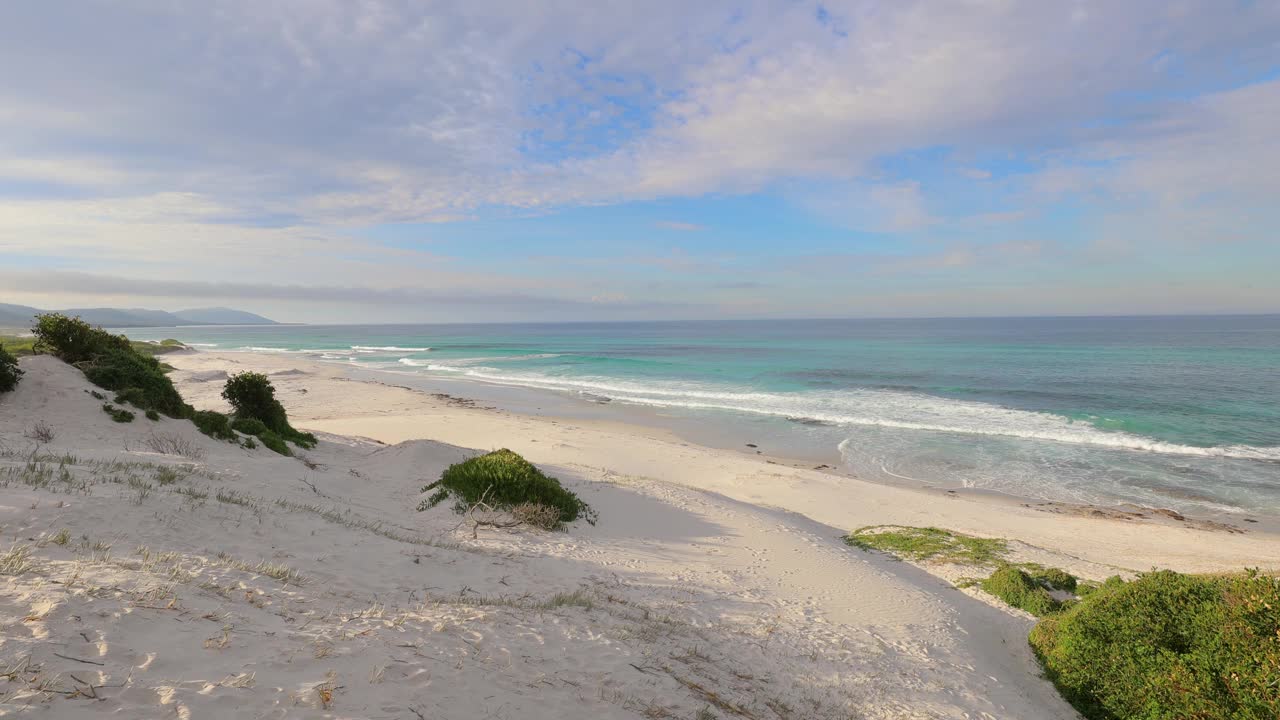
(714, 586)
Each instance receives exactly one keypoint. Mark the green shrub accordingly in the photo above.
(1018, 589)
(10, 373)
(153, 415)
(928, 543)
(248, 426)
(504, 480)
(253, 397)
(133, 396)
(274, 442)
(120, 415)
(1051, 577)
(214, 424)
(73, 340)
(249, 444)
(1169, 646)
(110, 362)
(139, 378)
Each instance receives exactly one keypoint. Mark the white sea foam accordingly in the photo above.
(860, 407)
(388, 348)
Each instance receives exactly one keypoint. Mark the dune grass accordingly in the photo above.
(505, 481)
(928, 543)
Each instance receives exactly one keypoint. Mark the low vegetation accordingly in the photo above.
(929, 543)
(120, 415)
(10, 373)
(1165, 646)
(26, 345)
(274, 442)
(1019, 589)
(1168, 646)
(109, 361)
(214, 424)
(504, 481)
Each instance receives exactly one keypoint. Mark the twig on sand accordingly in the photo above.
(86, 662)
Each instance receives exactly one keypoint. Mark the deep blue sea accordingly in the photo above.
(1176, 412)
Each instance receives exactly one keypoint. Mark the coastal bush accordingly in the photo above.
(153, 415)
(250, 444)
(138, 378)
(929, 543)
(253, 397)
(110, 362)
(274, 442)
(10, 373)
(1018, 589)
(120, 415)
(504, 480)
(73, 340)
(133, 396)
(214, 424)
(1167, 646)
(248, 426)
(1050, 577)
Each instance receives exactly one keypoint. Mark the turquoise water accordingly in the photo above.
(1178, 412)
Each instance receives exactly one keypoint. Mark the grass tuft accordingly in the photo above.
(16, 561)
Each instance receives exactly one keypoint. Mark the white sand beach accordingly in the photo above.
(234, 583)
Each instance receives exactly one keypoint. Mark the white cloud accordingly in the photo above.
(254, 139)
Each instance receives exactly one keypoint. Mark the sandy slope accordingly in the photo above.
(702, 593)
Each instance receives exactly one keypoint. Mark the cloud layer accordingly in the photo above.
(140, 136)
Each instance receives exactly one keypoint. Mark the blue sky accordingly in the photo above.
(565, 160)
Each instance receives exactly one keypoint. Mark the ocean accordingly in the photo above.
(1166, 412)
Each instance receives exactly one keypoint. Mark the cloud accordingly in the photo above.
(385, 111)
(680, 226)
(87, 285)
(248, 140)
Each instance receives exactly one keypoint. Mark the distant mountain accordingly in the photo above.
(16, 316)
(20, 316)
(132, 317)
(221, 316)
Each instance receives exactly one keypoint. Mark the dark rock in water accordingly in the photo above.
(751, 445)
(1250, 520)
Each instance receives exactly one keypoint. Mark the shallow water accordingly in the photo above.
(1178, 412)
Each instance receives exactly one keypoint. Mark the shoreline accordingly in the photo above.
(1153, 537)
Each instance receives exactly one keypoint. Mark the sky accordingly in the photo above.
(402, 161)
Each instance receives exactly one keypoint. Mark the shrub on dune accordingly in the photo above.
(214, 424)
(249, 426)
(505, 481)
(1020, 590)
(10, 373)
(1168, 646)
(253, 398)
(274, 442)
(110, 362)
(73, 340)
